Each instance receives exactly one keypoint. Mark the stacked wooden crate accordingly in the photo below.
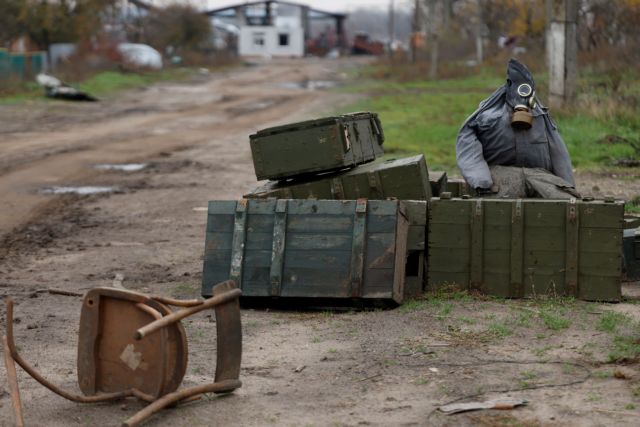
(331, 223)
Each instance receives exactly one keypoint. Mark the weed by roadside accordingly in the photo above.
(100, 84)
(625, 348)
(500, 329)
(610, 321)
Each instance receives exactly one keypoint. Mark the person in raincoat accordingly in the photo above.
(510, 147)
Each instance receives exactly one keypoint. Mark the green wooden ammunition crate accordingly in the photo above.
(520, 248)
(404, 179)
(415, 278)
(325, 249)
(632, 254)
(457, 187)
(314, 146)
(415, 270)
(438, 181)
(401, 179)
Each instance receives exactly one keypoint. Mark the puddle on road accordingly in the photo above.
(308, 85)
(83, 190)
(262, 104)
(123, 167)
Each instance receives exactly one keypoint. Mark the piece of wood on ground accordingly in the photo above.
(498, 403)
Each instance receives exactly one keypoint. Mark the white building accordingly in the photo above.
(275, 28)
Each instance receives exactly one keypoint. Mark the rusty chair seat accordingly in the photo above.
(133, 345)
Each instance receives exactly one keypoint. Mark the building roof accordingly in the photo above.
(314, 13)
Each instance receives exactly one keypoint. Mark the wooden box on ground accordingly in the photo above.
(404, 179)
(457, 187)
(632, 254)
(314, 146)
(520, 248)
(325, 249)
(438, 181)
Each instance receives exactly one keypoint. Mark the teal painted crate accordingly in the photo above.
(329, 249)
(4, 63)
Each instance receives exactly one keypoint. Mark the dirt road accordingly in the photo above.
(357, 368)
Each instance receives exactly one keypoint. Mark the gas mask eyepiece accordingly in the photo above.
(525, 90)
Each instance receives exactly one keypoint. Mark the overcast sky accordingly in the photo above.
(328, 5)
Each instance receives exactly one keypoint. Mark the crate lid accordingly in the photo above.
(324, 121)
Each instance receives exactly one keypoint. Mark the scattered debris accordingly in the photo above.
(82, 191)
(64, 292)
(55, 292)
(434, 370)
(499, 403)
(117, 281)
(138, 55)
(310, 85)
(300, 368)
(622, 374)
(370, 378)
(55, 88)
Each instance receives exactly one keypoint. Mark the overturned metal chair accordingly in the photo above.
(133, 345)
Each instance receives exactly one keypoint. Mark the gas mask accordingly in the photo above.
(521, 95)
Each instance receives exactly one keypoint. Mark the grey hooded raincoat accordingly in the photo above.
(487, 138)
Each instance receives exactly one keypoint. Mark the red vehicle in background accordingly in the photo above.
(363, 45)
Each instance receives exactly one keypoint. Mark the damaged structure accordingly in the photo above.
(281, 28)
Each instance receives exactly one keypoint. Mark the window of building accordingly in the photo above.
(258, 39)
(283, 39)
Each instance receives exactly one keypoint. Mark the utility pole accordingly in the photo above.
(481, 33)
(415, 27)
(434, 17)
(392, 29)
(563, 52)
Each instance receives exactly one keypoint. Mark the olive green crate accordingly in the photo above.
(523, 248)
(315, 146)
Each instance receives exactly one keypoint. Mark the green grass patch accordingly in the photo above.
(603, 375)
(500, 329)
(107, 82)
(100, 85)
(624, 348)
(524, 319)
(542, 351)
(446, 309)
(554, 320)
(413, 305)
(467, 320)
(633, 206)
(610, 321)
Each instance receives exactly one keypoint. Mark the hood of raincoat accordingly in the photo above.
(520, 87)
